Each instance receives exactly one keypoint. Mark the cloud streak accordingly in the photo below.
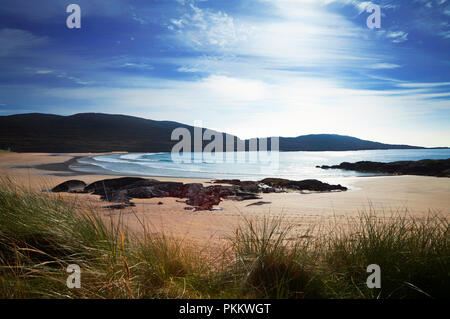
(288, 67)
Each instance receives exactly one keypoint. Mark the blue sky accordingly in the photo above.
(247, 67)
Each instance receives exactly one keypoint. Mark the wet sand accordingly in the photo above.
(419, 195)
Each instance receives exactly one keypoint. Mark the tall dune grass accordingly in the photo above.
(41, 233)
(269, 264)
(414, 256)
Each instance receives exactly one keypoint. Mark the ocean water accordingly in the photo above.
(245, 166)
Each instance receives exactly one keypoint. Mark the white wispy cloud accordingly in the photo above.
(142, 66)
(385, 66)
(61, 75)
(397, 36)
(208, 29)
(77, 80)
(292, 107)
(189, 69)
(301, 69)
(424, 16)
(16, 42)
(423, 85)
(44, 71)
(301, 34)
(361, 5)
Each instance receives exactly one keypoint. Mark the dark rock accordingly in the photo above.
(146, 192)
(438, 168)
(160, 203)
(172, 189)
(142, 183)
(204, 200)
(190, 190)
(277, 185)
(222, 191)
(116, 196)
(250, 187)
(268, 190)
(275, 182)
(304, 185)
(113, 184)
(260, 203)
(314, 185)
(227, 181)
(122, 190)
(120, 206)
(241, 196)
(160, 189)
(72, 186)
(446, 173)
(207, 197)
(245, 186)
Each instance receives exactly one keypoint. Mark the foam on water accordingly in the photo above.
(291, 165)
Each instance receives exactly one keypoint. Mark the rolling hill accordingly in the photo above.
(333, 142)
(96, 132)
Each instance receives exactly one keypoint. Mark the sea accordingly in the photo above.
(245, 166)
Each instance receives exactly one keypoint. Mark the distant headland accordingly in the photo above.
(97, 132)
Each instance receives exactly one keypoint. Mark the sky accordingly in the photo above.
(245, 67)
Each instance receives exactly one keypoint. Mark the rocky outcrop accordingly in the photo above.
(312, 185)
(439, 168)
(116, 183)
(277, 185)
(72, 186)
(122, 190)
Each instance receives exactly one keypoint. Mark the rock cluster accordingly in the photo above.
(279, 185)
(122, 190)
(72, 186)
(439, 168)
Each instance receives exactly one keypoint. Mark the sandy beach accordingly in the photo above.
(418, 195)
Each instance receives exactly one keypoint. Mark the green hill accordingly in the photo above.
(95, 132)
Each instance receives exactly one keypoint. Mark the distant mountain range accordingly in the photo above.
(95, 132)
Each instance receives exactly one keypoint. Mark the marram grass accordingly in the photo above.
(42, 233)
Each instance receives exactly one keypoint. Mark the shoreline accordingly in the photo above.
(419, 195)
(64, 169)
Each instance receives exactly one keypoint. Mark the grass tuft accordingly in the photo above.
(272, 266)
(42, 233)
(414, 256)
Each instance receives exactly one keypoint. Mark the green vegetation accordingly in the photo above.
(40, 234)
(414, 256)
(96, 132)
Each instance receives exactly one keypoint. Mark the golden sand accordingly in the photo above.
(417, 194)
